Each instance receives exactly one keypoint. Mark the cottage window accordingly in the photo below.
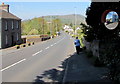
(6, 25)
(17, 36)
(12, 25)
(17, 24)
(6, 38)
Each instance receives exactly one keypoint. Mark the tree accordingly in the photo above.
(33, 32)
(35, 23)
(109, 39)
(40, 22)
(88, 31)
(94, 15)
(71, 24)
(57, 25)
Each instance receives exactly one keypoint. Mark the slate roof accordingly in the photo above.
(8, 15)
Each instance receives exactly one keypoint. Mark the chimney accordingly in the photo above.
(4, 7)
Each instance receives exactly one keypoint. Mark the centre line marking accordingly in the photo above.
(51, 45)
(13, 64)
(37, 53)
(47, 47)
(41, 51)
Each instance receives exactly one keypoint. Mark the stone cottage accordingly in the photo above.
(10, 28)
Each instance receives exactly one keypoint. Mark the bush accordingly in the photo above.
(98, 63)
(73, 36)
(94, 59)
(89, 54)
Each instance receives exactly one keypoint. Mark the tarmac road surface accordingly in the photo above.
(25, 64)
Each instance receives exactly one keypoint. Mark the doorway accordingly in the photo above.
(12, 39)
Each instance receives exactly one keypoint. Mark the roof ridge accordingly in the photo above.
(4, 14)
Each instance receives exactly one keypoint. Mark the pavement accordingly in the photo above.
(80, 69)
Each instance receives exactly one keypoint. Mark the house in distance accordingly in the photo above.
(10, 28)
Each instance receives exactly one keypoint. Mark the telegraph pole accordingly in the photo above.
(56, 27)
(43, 24)
(49, 23)
(75, 22)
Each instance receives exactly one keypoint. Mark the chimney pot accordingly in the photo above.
(3, 3)
(4, 7)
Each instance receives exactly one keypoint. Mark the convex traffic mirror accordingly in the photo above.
(111, 20)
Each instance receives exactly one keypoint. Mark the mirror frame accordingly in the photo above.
(103, 18)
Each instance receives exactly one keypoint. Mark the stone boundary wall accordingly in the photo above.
(37, 38)
(93, 46)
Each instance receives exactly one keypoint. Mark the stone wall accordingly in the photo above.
(34, 38)
(93, 46)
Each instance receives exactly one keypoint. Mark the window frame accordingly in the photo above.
(17, 24)
(6, 39)
(12, 24)
(6, 25)
(17, 36)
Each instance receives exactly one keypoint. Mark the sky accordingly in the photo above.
(29, 10)
(110, 15)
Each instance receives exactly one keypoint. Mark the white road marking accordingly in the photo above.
(37, 53)
(51, 45)
(13, 64)
(57, 42)
(32, 55)
(47, 47)
(40, 51)
(60, 40)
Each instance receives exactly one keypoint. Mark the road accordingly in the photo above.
(25, 64)
(112, 25)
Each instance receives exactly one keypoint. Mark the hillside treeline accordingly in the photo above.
(40, 26)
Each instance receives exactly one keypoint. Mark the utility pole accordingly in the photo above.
(50, 26)
(43, 24)
(56, 27)
(75, 23)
